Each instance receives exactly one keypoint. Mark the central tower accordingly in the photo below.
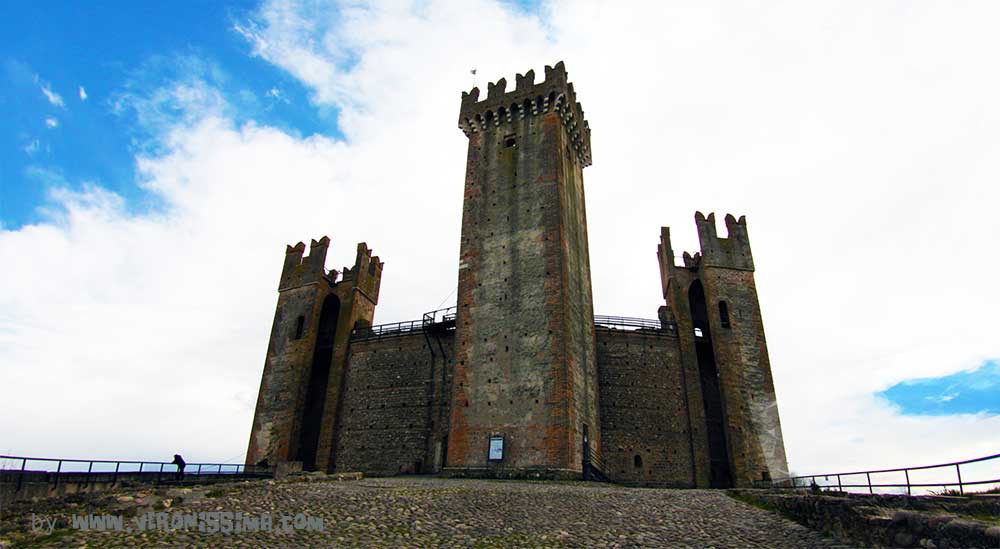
(524, 397)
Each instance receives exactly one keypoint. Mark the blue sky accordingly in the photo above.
(969, 392)
(117, 51)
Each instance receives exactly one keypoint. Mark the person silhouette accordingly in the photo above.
(179, 462)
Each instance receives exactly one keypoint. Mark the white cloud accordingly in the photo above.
(51, 122)
(860, 141)
(52, 96)
(31, 147)
(277, 95)
(82, 93)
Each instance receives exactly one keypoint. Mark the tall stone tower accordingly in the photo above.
(713, 299)
(525, 366)
(300, 388)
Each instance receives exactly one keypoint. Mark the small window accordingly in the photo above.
(300, 326)
(698, 332)
(723, 314)
(637, 461)
(510, 142)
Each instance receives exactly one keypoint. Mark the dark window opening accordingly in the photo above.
(509, 141)
(637, 461)
(300, 327)
(723, 314)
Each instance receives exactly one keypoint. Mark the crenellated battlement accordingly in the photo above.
(732, 252)
(555, 94)
(366, 273)
(299, 271)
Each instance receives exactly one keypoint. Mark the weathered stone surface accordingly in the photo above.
(394, 404)
(526, 367)
(891, 521)
(306, 354)
(645, 426)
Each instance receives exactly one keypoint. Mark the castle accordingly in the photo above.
(520, 379)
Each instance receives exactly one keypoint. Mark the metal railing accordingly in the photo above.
(432, 318)
(63, 466)
(387, 330)
(634, 324)
(449, 315)
(593, 465)
(441, 316)
(806, 481)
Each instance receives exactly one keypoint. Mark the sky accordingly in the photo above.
(156, 159)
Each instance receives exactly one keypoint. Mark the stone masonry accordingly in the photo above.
(686, 400)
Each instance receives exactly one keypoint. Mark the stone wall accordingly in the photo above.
(888, 521)
(643, 409)
(393, 405)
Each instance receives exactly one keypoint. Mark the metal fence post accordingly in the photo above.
(114, 479)
(869, 475)
(159, 475)
(58, 470)
(958, 469)
(90, 469)
(20, 477)
(840, 487)
(907, 473)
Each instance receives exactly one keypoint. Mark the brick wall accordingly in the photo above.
(393, 404)
(643, 409)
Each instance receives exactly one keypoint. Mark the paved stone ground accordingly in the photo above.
(431, 512)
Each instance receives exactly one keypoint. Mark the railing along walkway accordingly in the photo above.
(57, 468)
(945, 482)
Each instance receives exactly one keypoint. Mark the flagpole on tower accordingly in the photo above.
(473, 71)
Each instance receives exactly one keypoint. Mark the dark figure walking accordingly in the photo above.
(179, 462)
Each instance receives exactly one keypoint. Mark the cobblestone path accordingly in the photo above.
(430, 512)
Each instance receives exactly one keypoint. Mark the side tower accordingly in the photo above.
(525, 368)
(303, 371)
(713, 298)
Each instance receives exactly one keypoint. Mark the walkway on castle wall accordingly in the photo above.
(432, 512)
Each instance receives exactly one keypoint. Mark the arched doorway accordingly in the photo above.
(720, 475)
(319, 375)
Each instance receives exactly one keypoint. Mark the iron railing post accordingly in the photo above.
(840, 487)
(114, 479)
(20, 477)
(958, 469)
(90, 469)
(159, 475)
(907, 473)
(199, 469)
(58, 470)
(869, 475)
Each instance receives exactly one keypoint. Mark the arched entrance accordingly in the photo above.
(720, 475)
(319, 375)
